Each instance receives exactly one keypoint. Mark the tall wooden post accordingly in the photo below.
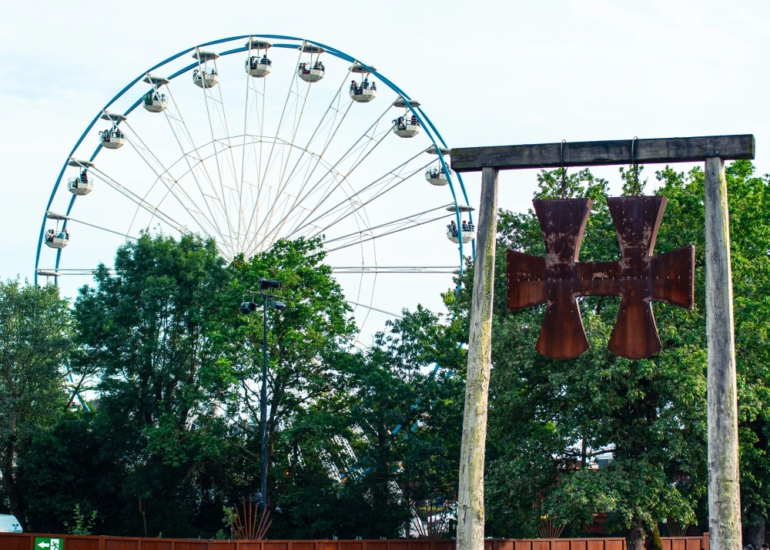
(470, 512)
(724, 480)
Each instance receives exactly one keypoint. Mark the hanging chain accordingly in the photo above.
(636, 190)
(563, 190)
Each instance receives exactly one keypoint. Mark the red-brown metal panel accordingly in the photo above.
(399, 545)
(578, 544)
(522, 545)
(80, 543)
(129, 544)
(250, 545)
(303, 545)
(639, 278)
(560, 545)
(223, 545)
(692, 543)
(541, 545)
(499, 545)
(678, 544)
(594, 544)
(189, 545)
(16, 541)
(613, 545)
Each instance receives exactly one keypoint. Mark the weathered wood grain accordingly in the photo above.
(723, 466)
(470, 504)
(601, 153)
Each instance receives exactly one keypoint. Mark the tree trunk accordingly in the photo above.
(635, 537)
(470, 512)
(723, 466)
(11, 483)
(754, 532)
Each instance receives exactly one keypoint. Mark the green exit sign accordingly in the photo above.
(43, 543)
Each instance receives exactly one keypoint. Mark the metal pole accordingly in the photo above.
(724, 477)
(263, 413)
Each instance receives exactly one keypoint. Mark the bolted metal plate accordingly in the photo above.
(639, 278)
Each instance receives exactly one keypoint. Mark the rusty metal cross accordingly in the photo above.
(639, 278)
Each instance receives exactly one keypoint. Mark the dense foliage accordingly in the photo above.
(173, 433)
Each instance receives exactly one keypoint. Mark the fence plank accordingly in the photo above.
(81, 543)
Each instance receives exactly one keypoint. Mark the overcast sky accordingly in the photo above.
(487, 72)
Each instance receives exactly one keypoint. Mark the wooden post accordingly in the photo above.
(724, 481)
(470, 512)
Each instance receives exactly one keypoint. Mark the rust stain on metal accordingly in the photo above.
(639, 278)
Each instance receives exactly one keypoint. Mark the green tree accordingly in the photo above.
(35, 342)
(159, 384)
(408, 418)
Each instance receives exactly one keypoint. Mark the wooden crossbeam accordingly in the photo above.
(603, 153)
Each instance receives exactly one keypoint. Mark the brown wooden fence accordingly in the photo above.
(26, 541)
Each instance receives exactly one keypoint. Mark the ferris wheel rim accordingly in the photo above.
(430, 129)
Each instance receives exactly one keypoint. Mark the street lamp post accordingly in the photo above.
(248, 307)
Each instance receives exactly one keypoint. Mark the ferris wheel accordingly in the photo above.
(255, 138)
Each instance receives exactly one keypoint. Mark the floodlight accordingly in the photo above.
(266, 284)
(248, 307)
(277, 304)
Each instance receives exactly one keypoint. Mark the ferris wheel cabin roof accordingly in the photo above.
(444, 150)
(401, 102)
(258, 44)
(155, 80)
(200, 55)
(114, 117)
(55, 216)
(307, 47)
(461, 208)
(359, 68)
(77, 163)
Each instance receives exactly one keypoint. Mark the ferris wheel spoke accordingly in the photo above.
(268, 217)
(394, 269)
(359, 151)
(173, 186)
(214, 143)
(263, 176)
(180, 130)
(53, 215)
(364, 196)
(338, 115)
(233, 166)
(139, 201)
(385, 229)
(260, 118)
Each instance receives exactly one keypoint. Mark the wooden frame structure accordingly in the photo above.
(723, 465)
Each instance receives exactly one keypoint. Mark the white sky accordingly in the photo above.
(487, 72)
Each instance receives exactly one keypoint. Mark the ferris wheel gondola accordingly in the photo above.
(313, 70)
(365, 91)
(257, 66)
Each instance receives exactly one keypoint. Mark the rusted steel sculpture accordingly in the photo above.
(639, 278)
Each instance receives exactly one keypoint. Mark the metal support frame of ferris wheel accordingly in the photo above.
(431, 131)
